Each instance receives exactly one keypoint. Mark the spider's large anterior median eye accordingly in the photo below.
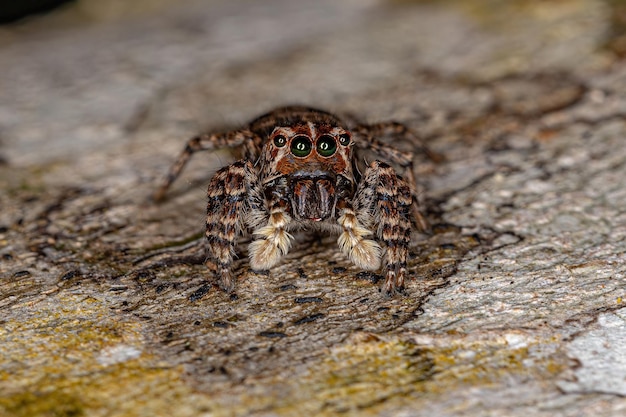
(280, 141)
(301, 146)
(326, 145)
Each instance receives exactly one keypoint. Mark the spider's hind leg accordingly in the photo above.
(208, 141)
(399, 130)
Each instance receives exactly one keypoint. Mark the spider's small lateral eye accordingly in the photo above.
(344, 139)
(280, 141)
(326, 145)
(301, 146)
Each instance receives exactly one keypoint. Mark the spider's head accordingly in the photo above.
(316, 159)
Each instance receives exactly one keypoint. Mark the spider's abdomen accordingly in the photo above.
(313, 197)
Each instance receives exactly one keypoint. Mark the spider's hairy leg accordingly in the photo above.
(366, 140)
(386, 196)
(208, 141)
(399, 130)
(272, 239)
(227, 201)
(364, 253)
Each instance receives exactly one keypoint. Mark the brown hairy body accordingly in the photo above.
(299, 170)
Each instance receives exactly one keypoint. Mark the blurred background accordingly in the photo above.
(86, 75)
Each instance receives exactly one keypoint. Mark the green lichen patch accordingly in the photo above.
(69, 357)
(369, 375)
(55, 404)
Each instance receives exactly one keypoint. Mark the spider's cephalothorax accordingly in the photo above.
(299, 171)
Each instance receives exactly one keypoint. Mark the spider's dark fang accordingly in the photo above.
(313, 198)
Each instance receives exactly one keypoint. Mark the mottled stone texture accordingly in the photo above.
(516, 306)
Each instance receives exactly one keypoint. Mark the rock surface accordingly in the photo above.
(516, 307)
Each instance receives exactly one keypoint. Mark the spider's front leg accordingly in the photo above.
(231, 193)
(383, 200)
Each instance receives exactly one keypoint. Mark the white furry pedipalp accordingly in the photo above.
(364, 253)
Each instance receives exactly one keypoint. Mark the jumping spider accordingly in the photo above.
(299, 171)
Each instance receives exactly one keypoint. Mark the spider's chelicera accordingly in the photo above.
(300, 171)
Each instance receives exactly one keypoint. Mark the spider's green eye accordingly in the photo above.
(301, 146)
(344, 139)
(280, 141)
(326, 145)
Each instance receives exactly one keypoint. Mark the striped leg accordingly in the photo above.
(385, 199)
(227, 201)
(365, 136)
(398, 130)
(209, 141)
